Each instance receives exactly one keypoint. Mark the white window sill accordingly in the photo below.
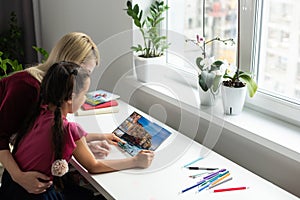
(268, 131)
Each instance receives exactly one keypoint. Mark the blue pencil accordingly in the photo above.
(203, 188)
(189, 188)
(200, 158)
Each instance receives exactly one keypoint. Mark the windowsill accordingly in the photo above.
(268, 131)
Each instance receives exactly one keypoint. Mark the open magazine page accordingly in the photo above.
(140, 133)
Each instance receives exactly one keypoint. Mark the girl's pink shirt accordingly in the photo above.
(35, 152)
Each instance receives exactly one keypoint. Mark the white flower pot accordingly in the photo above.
(206, 98)
(143, 66)
(233, 99)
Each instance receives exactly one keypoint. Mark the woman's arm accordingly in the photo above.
(85, 157)
(28, 180)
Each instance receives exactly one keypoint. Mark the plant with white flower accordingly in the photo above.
(211, 73)
(232, 76)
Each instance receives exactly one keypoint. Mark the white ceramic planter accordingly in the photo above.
(233, 99)
(143, 66)
(206, 98)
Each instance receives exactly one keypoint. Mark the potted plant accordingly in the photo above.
(211, 73)
(7, 66)
(11, 53)
(154, 44)
(236, 83)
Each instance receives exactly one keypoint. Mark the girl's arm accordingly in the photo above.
(110, 137)
(85, 157)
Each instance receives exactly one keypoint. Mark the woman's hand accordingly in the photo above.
(144, 158)
(34, 182)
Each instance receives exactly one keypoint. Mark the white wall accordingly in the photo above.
(105, 21)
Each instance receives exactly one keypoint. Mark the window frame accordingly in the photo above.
(263, 101)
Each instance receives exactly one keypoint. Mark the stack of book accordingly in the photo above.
(99, 102)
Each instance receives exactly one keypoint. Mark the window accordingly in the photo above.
(278, 57)
(186, 20)
(271, 52)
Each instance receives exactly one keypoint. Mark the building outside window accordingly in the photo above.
(279, 49)
(275, 52)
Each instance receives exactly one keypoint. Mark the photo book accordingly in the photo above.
(100, 96)
(99, 102)
(111, 103)
(140, 133)
(106, 110)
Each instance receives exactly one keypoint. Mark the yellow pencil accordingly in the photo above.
(220, 179)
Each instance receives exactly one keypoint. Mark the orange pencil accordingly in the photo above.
(220, 179)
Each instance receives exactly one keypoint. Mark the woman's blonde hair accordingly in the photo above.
(73, 47)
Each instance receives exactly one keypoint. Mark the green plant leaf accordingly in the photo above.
(218, 63)
(130, 13)
(129, 4)
(216, 82)
(207, 78)
(153, 11)
(42, 51)
(3, 65)
(251, 85)
(153, 44)
(202, 83)
(198, 61)
(158, 21)
(216, 66)
(137, 23)
(140, 15)
(136, 9)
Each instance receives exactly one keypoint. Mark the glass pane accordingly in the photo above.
(220, 21)
(279, 55)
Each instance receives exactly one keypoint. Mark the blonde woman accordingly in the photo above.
(47, 141)
(19, 93)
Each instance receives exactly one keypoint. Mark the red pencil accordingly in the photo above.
(230, 189)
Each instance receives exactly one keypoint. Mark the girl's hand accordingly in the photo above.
(144, 158)
(99, 148)
(113, 139)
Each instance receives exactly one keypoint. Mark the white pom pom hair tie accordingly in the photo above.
(59, 167)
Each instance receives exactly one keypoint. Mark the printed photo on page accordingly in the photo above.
(140, 133)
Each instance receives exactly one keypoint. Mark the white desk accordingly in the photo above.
(165, 178)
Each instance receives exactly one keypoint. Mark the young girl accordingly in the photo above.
(49, 139)
(19, 92)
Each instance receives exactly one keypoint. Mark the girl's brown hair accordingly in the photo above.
(61, 81)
